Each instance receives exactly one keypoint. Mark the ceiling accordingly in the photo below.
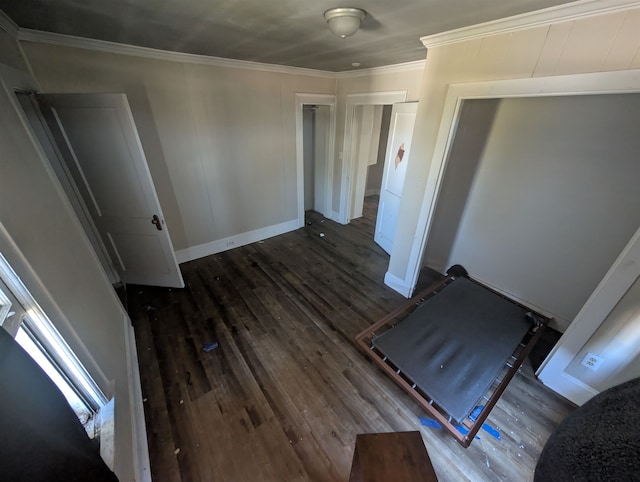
(284, 32)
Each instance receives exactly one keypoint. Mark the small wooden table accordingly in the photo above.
(394, 456)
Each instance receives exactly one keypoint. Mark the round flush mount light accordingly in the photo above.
(344, 21)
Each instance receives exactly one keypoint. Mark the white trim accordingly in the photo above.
(315, 99)
(8, 25)
(28, 35)
(580, 392)
(385, 69)
(335, 216)
(242, 239)
(620, 277)
(577, 84)
(397, 284)
(559, 13)
(348, 168)
(141, 462)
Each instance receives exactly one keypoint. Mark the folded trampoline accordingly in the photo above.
(454, 348)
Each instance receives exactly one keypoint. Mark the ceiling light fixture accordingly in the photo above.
(344, 21)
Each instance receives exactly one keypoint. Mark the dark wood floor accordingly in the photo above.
(285, 393)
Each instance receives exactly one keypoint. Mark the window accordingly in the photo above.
(22, 317)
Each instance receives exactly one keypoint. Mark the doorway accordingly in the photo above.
(315, 145)
(92, 143)
(315, 132)
(362, 110)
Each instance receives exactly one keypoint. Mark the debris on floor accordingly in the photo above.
(207, 347)
(322, 235)
(149, 307)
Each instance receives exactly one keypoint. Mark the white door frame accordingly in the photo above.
(617, 82)
(624, 271)
(348, 166)
(303, 99)
(403, 109)
(622, 274)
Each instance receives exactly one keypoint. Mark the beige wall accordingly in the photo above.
(598, 43)
(70, 284)
(220, 141)
(408, 81)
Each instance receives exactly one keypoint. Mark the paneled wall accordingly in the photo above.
(220, 141)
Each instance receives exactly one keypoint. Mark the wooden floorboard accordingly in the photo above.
(286, 392)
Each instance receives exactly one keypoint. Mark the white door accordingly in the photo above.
(99, 142)
(403, 117)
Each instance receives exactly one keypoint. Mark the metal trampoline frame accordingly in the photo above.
(365, 341)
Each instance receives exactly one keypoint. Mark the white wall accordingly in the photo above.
(220, 141)
(57, 264)
(617, 342)
(554, 199)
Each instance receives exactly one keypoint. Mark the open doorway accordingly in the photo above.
(364, 112)
(315, 132)
(315, 144)
(371, 129)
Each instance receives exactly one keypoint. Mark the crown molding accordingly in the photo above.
(386, 69)
(559, 13)
(8, 25)
(28, 35)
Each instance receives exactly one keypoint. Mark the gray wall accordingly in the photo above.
(555, 198)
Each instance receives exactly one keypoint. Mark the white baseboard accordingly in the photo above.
(242, 239)
(398, 285)
(335, 216)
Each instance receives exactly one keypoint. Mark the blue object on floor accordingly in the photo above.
(485, 426)
(207, 347)
(427, 422)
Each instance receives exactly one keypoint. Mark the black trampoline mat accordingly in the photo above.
(455, 344)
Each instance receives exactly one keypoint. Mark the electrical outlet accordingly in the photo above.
(592, 361)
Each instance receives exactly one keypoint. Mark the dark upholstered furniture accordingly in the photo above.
(42, 439)
(600, 441)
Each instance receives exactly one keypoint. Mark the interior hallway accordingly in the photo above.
(286, 391)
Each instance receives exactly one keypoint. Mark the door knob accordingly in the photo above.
(156, 220)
